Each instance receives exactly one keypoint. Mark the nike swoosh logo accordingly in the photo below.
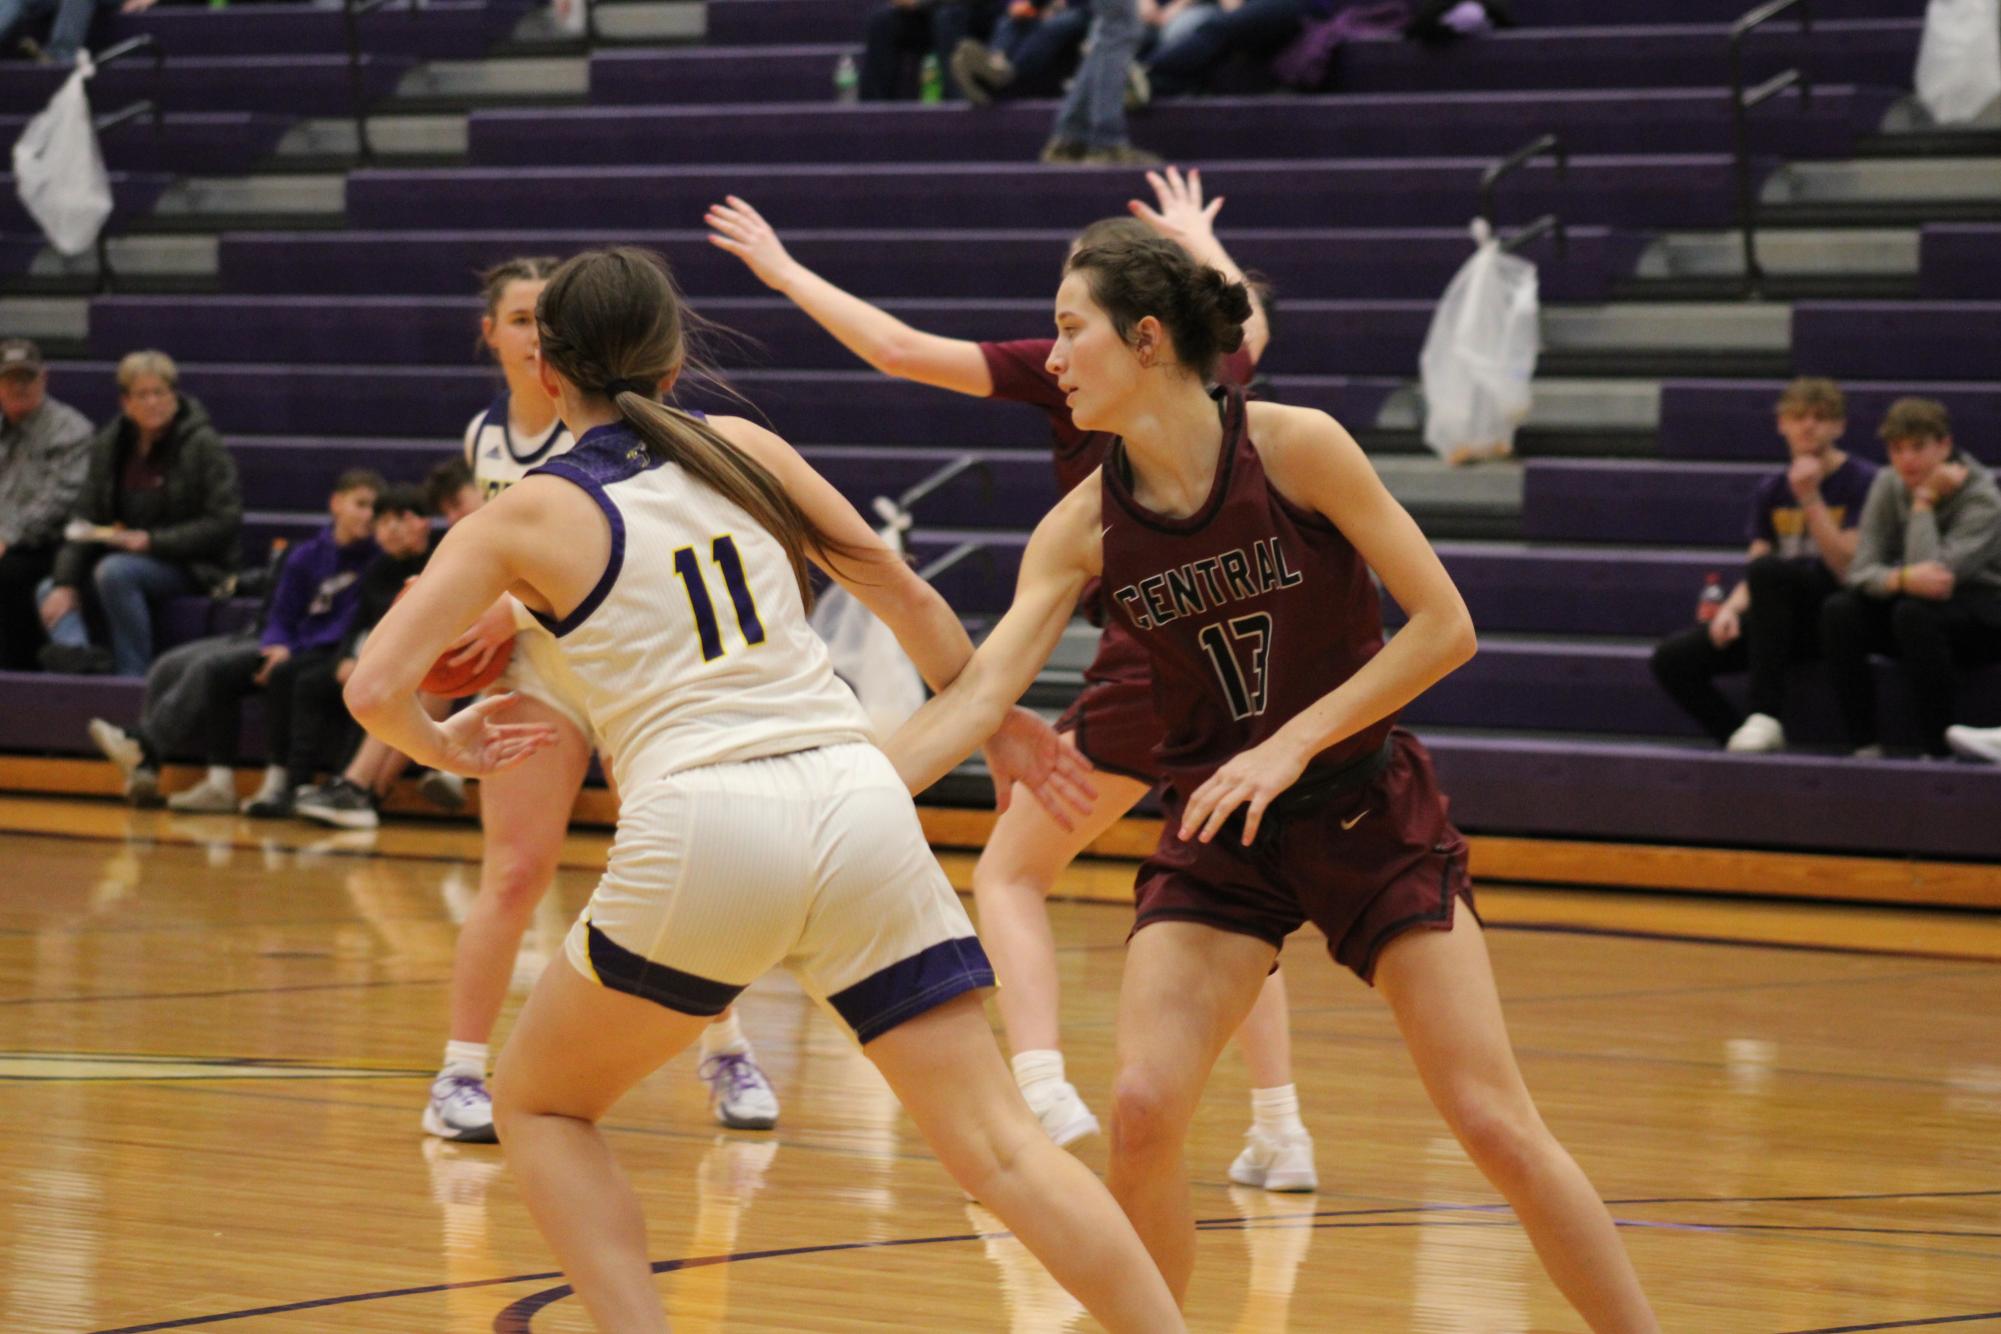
(1350, 824)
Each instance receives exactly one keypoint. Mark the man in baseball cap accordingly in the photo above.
(44, 456)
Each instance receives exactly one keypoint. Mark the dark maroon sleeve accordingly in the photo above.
(1017, 368)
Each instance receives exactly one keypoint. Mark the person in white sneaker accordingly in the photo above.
(525, 810)
(1975, 743)
(1803, 534)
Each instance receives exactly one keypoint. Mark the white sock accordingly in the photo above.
(725, 1038)
(221, 775)
(1037, 1070)
(465, 1058)
(1275, 1112)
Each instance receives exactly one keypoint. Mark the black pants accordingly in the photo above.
(1781, 628)
(298, 728)
(1932, 639)
(895, 39)
(321, 728)
(21, 568)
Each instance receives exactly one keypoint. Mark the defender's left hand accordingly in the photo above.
(1254, 777)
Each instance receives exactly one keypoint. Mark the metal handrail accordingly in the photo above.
(1548, 223)
(352, 12)
(1741, 105)
(945, 476)
(145, 44)
(955, 556)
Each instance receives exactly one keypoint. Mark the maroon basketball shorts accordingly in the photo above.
(1364, 861)
(1113, 721)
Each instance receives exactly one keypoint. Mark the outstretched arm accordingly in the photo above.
(1191, 224)
(1317, 464)
(871, 333)
(1062, 556)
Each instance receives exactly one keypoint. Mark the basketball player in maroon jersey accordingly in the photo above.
(1112, 722)
(1236, 542)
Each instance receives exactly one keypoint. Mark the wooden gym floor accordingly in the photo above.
(215, 1039)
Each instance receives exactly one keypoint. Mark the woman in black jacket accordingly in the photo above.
(163, 512)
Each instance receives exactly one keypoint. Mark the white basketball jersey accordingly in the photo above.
(498, 459)
(693, 648)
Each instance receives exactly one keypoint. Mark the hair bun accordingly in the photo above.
(1229, 303)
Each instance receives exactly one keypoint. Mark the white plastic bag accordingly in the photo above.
(1959, 62)
(865, 652)
(1480, 353)
(59, 171)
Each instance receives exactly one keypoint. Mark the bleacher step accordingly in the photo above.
(455, 84)
(267, 201)
(405, 138)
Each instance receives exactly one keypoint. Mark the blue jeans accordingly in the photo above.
(1260, 29)
(66, 34)
(1041, 50)
(1094, 112)
(126, 584)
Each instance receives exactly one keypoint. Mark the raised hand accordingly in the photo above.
(738, 228)
(475, 744)
(1028, 751)
(1182, 216)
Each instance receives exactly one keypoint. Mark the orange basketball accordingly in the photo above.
(454, 681)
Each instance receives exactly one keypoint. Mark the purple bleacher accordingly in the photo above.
(202, 143)
(1933, 340)
(1690, 190)
(810, 407)
(700, 74)
(280, 85)
(1359, 337)
(1732, 419)
(442, 29)
(1372, 263)
(1621, 500)
(1583, 13)
(744, 22)
(295, 473)
(1861, 51)
(132, 194)
(1669, 794)
(1391, 125)
(1957, 261)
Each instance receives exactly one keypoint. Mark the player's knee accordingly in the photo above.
(1146, 1116)
(513, 881)
(1504, 1137)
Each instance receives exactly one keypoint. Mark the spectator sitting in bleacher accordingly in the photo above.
(1925, 584)
(159, 516)
(68, 29)
(403, 531)
(1036, 46)
(1803, 535)
(450, 492)
(44, 454)
(897, 37)
(312, 608)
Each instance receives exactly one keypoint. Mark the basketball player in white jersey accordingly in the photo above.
(525, 811)
(758, 826)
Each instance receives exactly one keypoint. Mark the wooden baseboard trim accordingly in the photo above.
(1495, 858)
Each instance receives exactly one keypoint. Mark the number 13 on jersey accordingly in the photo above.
(722, 551)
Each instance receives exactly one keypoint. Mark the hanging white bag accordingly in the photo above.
(1480, 353)
(864, 650)
(1959, 60)
(59, 170)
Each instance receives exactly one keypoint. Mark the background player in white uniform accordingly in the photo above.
(758, 826)
(525, 812)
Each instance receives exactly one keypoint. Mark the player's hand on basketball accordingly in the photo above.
(1028, 751)
(1182, 216)
(1251, 780)
(475, 744)
(738, 228)
(482, 639)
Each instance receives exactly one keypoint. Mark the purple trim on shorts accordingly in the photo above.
(619, 969)
(909, 987)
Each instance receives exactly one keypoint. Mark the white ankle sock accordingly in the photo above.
(1035, 1070)
(465, 1058)
(725, 1038)
(221, 775)
(1275, 1112)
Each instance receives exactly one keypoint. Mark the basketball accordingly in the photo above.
(451, 680)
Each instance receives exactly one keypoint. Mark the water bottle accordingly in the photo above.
(1711, 600)
(931, 80)
(847, 78)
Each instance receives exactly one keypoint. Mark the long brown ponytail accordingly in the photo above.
(612, 323)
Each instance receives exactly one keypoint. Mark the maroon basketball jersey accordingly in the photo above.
(1250, 610)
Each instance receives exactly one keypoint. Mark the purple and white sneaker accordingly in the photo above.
(739, 1094)
(460, 1110)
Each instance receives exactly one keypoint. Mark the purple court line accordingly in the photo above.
(1734, 942)
(1904, 1324)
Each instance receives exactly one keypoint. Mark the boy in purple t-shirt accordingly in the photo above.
(1803, 536)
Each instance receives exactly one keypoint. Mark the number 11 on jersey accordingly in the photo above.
(723, 552)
